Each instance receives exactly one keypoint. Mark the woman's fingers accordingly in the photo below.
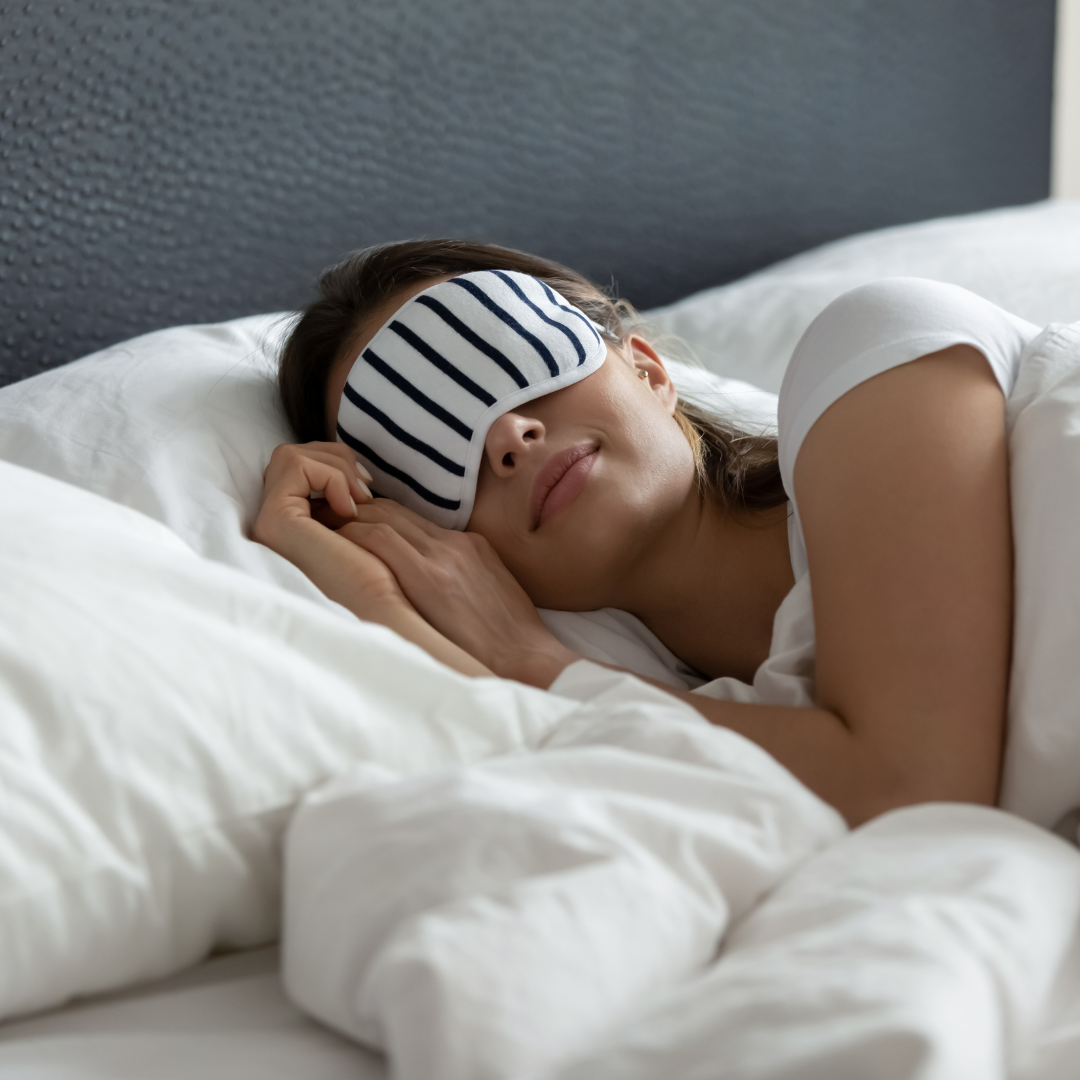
(420, 533)
(342, 451)
(382, 540)
(293, 474)
(326, 473)
(309, 474)
(335, 491)
(360, 491)
(404, 515)
(457, 583)
(428, 567)
(331, 453)
(455, 552)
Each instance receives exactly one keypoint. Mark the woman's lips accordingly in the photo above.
(561, 481)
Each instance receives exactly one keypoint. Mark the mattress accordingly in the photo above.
(227, 1019)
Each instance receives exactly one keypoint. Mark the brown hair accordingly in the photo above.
(736, 469)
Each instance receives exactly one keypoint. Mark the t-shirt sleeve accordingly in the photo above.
(880, 326)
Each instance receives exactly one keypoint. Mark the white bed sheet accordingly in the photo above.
(227, 1019)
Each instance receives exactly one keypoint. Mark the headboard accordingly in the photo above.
(181, 161)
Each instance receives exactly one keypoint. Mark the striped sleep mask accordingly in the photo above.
(422, 395)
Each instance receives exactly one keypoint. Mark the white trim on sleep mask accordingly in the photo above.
(422, 396)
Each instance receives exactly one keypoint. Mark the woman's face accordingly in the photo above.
(575, 486)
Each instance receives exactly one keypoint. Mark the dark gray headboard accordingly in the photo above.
(180, 161)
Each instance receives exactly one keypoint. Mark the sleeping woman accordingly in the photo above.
(483, 432)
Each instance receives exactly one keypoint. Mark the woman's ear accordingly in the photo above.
(650, 367)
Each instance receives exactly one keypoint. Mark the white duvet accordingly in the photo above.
(558, 913)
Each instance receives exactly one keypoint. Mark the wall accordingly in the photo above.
(1065, 175)
(175, 161)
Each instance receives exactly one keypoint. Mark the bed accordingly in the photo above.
(172, 692)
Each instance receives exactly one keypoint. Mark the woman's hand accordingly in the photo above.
(310, 490)
(461, 587)
(299, 474)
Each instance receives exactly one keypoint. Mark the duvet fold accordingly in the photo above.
(488, 921)
(938, 942)
(647, 896)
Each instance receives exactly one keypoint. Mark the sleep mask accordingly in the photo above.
(451, 360)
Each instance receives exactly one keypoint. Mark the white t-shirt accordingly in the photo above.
(874, 328)
(866, 331)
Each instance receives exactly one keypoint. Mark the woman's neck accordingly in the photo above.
(710, 586)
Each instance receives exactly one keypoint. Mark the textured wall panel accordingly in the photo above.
(187, 161)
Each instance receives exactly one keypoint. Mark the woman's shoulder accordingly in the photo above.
(881, 325)
(890, 311)
(894, 297)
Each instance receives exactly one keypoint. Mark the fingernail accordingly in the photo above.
(365, 489)
(353, 505)
(364, 473)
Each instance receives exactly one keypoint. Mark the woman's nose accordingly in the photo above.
(510, 438)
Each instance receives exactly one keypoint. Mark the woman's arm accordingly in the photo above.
(904, 501)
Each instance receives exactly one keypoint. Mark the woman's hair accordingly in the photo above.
(736, 469)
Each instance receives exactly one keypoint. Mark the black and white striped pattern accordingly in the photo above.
(422, 395)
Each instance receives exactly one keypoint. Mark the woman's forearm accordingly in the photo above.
(851, 767)
(819, 749)
(814, 744)
(851, 772)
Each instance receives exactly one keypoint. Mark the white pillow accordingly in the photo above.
(1025, 259)
(161, 716)
(179, 424)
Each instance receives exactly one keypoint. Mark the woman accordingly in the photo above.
(588, 484)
